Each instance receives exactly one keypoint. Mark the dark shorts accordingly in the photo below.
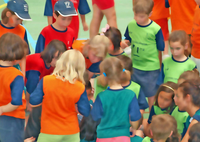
(11, 129)
(33, 126)
(147, 80)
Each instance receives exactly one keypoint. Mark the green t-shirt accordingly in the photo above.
(147, 139)
(135, 88)
(98, 88)
(181, 117)
(110, 55)
(144, 52)
(172, 69)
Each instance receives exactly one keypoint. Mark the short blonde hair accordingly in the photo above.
(99, 44)
(70, 66)
(143, 6)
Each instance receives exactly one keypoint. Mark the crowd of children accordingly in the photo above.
(54, 84)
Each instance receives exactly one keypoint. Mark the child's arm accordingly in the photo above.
(127, 42)
(167, 4)
(40, 43)
(161, 76)
(48, 11)
(186, 137)
(97, 110)
(8, 108)
(85, 26)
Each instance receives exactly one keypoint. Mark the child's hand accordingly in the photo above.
(132, 132)
(85, 26)
(28, 106)
(31, 139)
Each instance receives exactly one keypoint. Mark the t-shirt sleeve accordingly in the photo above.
(97, 110)
(196, 117)
(134, 110)
(151, 114)
(17, 87)
(94, 68)
(32, 77)
(37, 96)
(83, 7)
(40, 44)
(167, 4)
(127, 37)
(26, 40)
(48, 10)
(161, 76)
(142, 100)
(160, 41)
(83, 104)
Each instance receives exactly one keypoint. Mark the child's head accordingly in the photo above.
(194, 133)
(88, 88)
(112, 68)
(63, 12)
(115, 36)
(12, 47)
(52, 52)
(142, 10)
(97, 48)
(178, 41)
(15, 12)
(165, 95)
(162, 126)
(188, 75)
(70, 66)
(188, 94)
(127, 62)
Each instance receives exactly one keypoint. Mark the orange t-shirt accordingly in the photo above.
(59, 116)
(159, 10)
(196, 34)
(7, 76)
(182, 14)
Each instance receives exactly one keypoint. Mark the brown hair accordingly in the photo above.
(187, 75)
(194, 133)
(179, 35)
(143, 6)
(12, 47)
(191, 87)
(49, 52)
(115, 36)
(162, 125)
(4, 18)
(56, 12)
(167, 87)
(113, 68)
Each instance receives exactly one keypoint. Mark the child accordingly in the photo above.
(58, 93)
(80, 5)
(188, 75)
(194, 133)
(63, 12)
(164, 102)
(38, 66)
(162, 127)
(116, 107)
(173, 67)
(187, 99)
(12, 98)
(146, 40)
(195, 35)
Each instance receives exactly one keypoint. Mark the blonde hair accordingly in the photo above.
(143, 6)
(99, 44)
(70, 66)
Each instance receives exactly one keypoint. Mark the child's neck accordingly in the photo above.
(6, 63)
(114, 85)
(58, 27)
(146, 23)
(6, 25)
(117, 52)
(192, 110)
(126, 83)
(180, 58)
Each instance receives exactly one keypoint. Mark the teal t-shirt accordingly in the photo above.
(172, 69)
(144, 50)
(136, 139)
(181, 117)
(196, 116)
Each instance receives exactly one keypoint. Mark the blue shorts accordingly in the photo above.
(147, 80)
(11, 129)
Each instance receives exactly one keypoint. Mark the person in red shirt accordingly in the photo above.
(63, 12)
(195, 37)
(12, 98)
(59, 93)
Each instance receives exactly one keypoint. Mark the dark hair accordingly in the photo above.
(143, 6)
(57, 14)
(115, 36)
(88, 128)
(191, 87)
(4, 18)
(179, 35)
(168, 87)
(49, 52)
(88, 85)
(194, 133)
(12, 47)
(187, 75)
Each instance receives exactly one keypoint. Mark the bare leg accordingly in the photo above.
(96, 21)
(110, 14)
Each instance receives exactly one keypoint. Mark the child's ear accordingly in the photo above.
(8, 14)
(150, 13)
(54, 16)
(186, 45)
(188, 97)
(151, 133)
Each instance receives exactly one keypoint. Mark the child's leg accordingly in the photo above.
(96, 21)
(11, 129)
(110, 14)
